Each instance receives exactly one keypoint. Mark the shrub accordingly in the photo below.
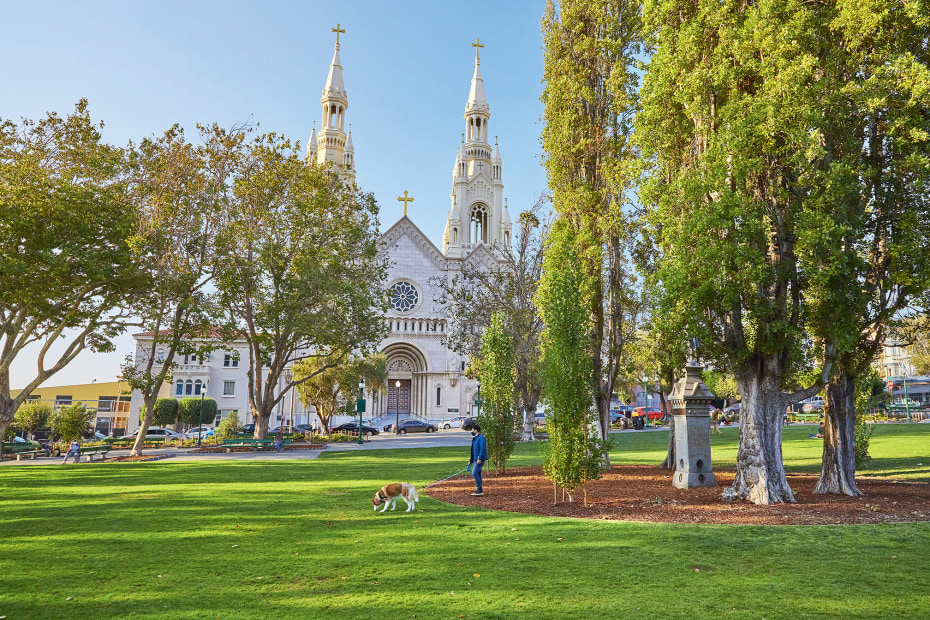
(229, 427)
(166, 412)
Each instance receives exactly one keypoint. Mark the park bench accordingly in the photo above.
(805, 416)
(90, 451)
(21, 450)
(255, 444)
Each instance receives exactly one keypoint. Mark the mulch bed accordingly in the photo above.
(137, 459)
(645, 493)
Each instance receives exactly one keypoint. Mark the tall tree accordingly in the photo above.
(66, 273)
(590, 98)
(498, 373)
(178, 190)
(298, 270)
(572, 456)
(476, 293)
(726, 124)
(869, 197)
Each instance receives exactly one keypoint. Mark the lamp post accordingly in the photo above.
(907, 405)
(288, 374)
(203, 392)
(360, 407)
(396, 407)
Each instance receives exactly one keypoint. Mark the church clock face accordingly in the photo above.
(404, 296)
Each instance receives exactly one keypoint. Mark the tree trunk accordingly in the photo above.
(262, 420)
(603, 428)
(670, 459)
(838, 472)
(760, 471)
(138, 444)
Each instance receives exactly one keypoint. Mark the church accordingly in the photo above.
(425, 378)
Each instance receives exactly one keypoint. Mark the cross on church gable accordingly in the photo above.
(404, 199)
(337, 30)
(477, 45)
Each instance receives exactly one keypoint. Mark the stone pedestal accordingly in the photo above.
(691, 408)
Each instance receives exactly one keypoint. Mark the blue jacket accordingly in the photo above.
(479, 449)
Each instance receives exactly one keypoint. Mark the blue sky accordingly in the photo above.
(407, 67)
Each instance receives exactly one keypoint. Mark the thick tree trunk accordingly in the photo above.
(262, 420)
(149, 405)
(760, 471)
(838, 472)
(603, 428)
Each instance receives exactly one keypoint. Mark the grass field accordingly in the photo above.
(299, 539)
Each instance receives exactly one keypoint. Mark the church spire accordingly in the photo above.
(476, 97)
(333, 143)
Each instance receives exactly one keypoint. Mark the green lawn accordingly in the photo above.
(292, 539)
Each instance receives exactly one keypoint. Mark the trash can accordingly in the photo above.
(638, 423)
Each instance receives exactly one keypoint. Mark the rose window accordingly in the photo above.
(404, 297)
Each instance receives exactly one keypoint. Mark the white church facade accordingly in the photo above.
(426, 379)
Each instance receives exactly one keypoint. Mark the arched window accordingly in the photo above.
(507, 239)
(179, 388)
(160, 356)
(189, 388)
(455, 235)
(197, 386)
(479, 224)
(438, 395)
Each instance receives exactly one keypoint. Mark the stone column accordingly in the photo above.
(691, 408)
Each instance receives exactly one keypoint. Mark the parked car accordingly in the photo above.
(351, 428)
(94, 436)
(812, 405)
(415, 426)
(303, 428)
(284, 429)
(539, 418)
(469, 423)
(204, 432)
(651, 413)
(732, 409)
(456, 421)
(248, 428)
(155, 432)
(623, 411)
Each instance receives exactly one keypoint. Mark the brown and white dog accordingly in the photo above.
(389, 493)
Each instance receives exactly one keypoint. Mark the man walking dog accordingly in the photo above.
(479, 454)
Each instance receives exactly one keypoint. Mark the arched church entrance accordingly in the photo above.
(407, 387)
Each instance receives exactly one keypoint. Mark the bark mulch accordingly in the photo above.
(137, 459)
(645, 493)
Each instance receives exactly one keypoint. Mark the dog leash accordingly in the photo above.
(443, 480)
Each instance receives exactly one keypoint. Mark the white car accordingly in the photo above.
(155, 432)
(204, 432)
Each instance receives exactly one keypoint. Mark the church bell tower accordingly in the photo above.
(333, 143)
(478, 215)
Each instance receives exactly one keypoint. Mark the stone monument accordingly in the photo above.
(691, 408)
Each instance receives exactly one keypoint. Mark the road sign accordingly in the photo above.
(890, 385)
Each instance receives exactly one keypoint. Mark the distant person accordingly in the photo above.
(819, 434)
(73, 450)
(279, 439)
(479, 454)
(715, 419)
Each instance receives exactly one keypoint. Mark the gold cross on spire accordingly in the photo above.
(404, 199)
(337, 30)
(477, 45)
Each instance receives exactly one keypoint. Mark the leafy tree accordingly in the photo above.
(165, 412)
(572, 456)
(72, 422)
(177, 189)
(720, 384)
(498, 373)
(590, 98)
(328, 383)
(732, 103)
(32, 416)
(474, 295)
(66, 273)
(194, 411)
(915, 333)
(298, 270)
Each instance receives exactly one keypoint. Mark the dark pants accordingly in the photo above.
(476, 474)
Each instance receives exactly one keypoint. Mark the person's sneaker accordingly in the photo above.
(478, 494)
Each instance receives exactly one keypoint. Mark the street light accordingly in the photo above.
(907, 406)
(288, 374)
(203, 392)
(396, 407)
(360, 407)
